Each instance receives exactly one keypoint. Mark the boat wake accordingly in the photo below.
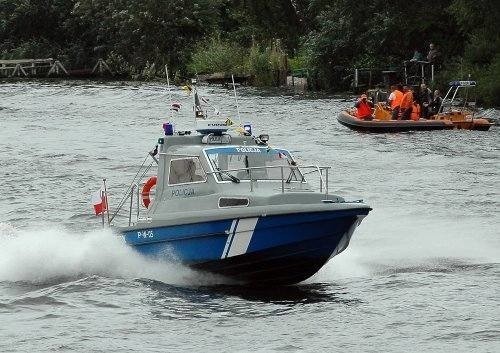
(52, 255)
(414, 244)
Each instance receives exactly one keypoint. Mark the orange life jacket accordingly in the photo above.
(415, 112)
(364, 110)
(407, 100)
(398, 97)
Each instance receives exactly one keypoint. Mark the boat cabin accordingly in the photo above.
(203, 173)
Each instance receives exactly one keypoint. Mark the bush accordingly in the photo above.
(119, 65)
(217, 55)
(268, 65)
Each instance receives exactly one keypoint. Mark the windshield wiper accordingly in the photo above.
(229, 175)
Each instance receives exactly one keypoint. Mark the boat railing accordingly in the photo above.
(134, 193)
(134, 188)
(322, 171)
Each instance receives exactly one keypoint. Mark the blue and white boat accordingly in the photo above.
(233, 205)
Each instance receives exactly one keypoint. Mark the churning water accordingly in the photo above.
(422, 272)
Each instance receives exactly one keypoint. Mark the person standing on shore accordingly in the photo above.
(433, 54)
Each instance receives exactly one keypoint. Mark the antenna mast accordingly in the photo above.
(236, 99)
(169, 92)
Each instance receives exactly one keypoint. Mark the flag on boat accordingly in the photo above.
(197, 101)
(229, 122)
(197, 106)
(99, 201)
(176, 106)
(187, 88)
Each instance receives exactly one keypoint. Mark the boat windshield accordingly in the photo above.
(266, 163)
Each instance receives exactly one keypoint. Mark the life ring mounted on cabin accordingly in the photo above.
(146, 189)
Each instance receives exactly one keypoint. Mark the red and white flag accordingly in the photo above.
(99, 201)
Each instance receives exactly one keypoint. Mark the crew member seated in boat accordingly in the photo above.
(185, 170)
(394, 100)
(424, 98)
(364, 108)
(435, 104)
(415, 111)
(406, 103)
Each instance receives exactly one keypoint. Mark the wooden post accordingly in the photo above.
(18, 70)
(101, 67)
(56, 68)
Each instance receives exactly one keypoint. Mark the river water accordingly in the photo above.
(422, 272)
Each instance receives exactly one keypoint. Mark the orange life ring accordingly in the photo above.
(146, 189)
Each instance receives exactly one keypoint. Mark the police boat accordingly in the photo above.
(231, 204)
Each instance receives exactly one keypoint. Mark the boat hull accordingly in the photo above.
(434, 123)
(391, 125)
(273, 249)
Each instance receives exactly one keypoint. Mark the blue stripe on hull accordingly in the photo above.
(187, 243)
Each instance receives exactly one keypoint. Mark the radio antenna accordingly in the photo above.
(236, 100)
(169, 93)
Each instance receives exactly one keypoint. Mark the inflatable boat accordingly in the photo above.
(348, 119)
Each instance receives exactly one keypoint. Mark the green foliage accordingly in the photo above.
(267, 64)
(490, 84)
(323, 37)
(481, 55)
(118, 64)
(217, 55)
(299, 62)
(370, 34)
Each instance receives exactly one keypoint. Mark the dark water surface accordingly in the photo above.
(422, 272)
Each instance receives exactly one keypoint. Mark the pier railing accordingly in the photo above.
(31, 67)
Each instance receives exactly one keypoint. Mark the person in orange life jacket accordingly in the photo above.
(415, 111)
(364, 108)
(406, 103)
(394, 100)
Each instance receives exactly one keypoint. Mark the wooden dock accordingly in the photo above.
(48, 68)
(31, 68)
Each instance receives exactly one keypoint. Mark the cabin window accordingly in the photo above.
(264, 164)
(233, 202)
(186, 170)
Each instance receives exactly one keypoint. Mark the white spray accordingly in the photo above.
(44, 255)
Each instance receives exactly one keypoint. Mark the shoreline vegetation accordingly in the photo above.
(264, 41)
